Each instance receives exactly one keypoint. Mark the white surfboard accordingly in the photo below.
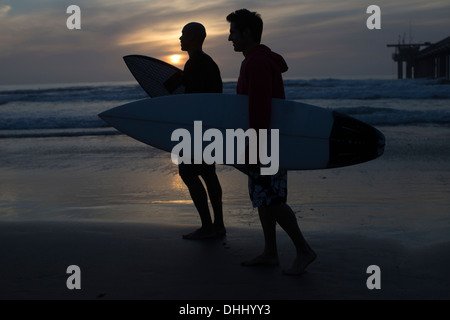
(309, 137)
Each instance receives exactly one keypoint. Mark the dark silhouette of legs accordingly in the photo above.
(190, 174)
(215, 195)
(285, 217)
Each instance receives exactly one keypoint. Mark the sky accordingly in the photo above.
(318, 38)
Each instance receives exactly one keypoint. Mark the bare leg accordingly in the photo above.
(200, 199)
(215, 195)
(284, 215)
(305, 255)
(270, 255)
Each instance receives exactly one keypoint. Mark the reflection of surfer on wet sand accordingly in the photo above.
(201, 75)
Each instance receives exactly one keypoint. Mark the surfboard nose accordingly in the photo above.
(111, 114)
(381, 142)
(101, 115)
(105, 116)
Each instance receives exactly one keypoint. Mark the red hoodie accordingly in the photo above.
(260, 78)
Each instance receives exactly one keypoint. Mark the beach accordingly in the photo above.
(87, 212)
(149, 261)
(117, 209)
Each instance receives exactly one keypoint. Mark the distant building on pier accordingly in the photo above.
(431, 62)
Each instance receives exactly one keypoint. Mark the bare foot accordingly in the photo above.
(220, 230)
(262, 260)
(301, 262)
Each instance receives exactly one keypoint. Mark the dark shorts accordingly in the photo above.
(267, 190)
(196, 169)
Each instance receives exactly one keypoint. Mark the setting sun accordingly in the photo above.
(175, 59)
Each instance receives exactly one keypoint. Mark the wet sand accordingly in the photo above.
(117, 210)
(144, 261)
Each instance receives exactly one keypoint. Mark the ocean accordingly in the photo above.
(55, 110)
(59, 161)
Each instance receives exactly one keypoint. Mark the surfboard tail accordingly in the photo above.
(156, 77)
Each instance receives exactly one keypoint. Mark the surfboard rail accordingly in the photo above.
(310, 137)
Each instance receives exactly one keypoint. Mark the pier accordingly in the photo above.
(431, 62)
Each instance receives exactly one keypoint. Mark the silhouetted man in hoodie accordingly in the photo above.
(261, 79)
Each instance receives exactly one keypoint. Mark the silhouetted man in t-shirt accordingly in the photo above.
(201, 75)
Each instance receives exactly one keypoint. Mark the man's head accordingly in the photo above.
(245, 29)
(193, 36)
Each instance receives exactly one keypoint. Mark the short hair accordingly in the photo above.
(244, 19)
(198, 29)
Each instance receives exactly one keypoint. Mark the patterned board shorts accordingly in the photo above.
(267, 190)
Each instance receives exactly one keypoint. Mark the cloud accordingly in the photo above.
(311, 34)
(4, 9)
